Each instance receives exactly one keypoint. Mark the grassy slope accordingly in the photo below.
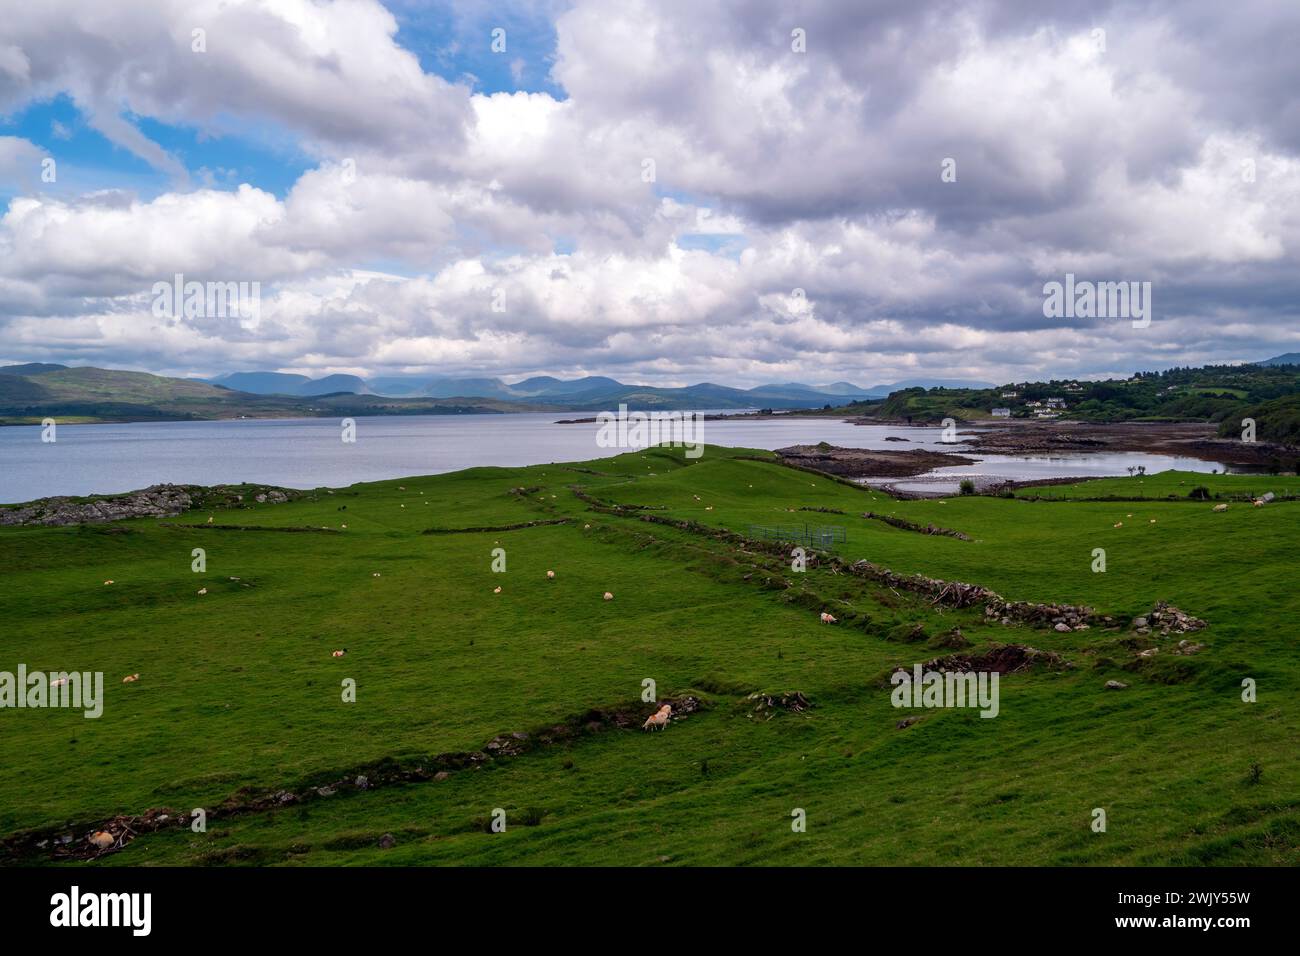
(238, 687)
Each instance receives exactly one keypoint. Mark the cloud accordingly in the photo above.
(1146, 141)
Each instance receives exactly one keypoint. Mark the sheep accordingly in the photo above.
(828, 618)
(1220, 507)
(608, 596)
(338, 653)
(109, 581)
(497, 589)
(101, 840)
(550, 575)
(130, 678)
(659, 718)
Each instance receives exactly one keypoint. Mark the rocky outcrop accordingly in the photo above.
(156, 501)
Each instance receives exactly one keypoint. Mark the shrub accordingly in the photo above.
(1200, 493)
(967, 486)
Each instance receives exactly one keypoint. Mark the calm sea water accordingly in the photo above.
(308, 453)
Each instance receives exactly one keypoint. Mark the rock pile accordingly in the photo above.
(792, 701)
(1167, 619)
(958, 594)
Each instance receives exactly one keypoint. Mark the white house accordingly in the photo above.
(1001, 413)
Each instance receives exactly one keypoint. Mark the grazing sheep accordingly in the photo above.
(338, 653)
(550, 575)
(101, 840)
(130, 678)
(109, 581)
(497, 589)
(1119, 524)
(828, 618)
(375, 574)
(659, 719)
(209, 519)
(1220, 507)
(608, 596)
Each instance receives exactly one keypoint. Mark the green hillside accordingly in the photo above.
(529, 700)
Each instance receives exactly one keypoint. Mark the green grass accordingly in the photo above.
(238, 688)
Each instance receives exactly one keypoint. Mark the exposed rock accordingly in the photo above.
(1171, 620)
(1115, 685)
(907, 722)
(387, 842)
(156, 501)
(793, 701)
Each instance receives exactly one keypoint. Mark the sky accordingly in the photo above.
(742, 191)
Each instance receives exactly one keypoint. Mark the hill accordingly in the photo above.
(1290, 358)
(529, 699)
(33, 392)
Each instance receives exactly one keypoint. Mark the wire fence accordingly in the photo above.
(812, 536)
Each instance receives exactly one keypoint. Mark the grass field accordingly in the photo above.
(239, 696)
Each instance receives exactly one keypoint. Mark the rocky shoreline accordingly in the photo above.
(868, 462)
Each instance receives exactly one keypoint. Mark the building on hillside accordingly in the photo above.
(1001, 413)
(1010, 394)
(1055, 403)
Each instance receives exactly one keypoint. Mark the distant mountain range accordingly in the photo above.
(592, 392)
(1290, 358)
